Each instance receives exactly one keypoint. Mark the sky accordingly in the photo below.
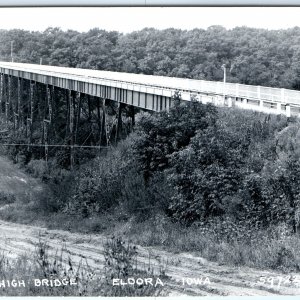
(128, 19)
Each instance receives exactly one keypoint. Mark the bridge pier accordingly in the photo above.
(221, 100)
(29, 123)
(229, 102)
(28, 103)
(103, 134)
(10, 104)
(278, 108)
(71, 127)
(19, 101)
(261, 105)
(119, 122)
(47, 118)
(78, 101)
(132, 115)
(288, 110)
(7, 98)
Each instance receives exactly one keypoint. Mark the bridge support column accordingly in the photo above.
(78, 115)
(103, 135)
(229, 102)
(19, 101)
(278, 108)
(99, 120)
(132, 115)
(261, 104)
(15, 101)
(47, 120)
(49, 102)
(245, 102)
(29, 123)
(8, 98)
(219, 100)
(45, 137)
(288, 110)
(71, 127)
(119, 122)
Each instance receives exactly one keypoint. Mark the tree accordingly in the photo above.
(169, 132)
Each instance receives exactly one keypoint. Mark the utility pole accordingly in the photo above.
(11, 51)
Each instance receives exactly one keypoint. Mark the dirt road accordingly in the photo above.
(17, 239)
(223, 280)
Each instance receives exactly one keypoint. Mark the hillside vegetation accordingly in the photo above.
(224, 182)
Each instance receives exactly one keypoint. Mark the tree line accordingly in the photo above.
(252, 56)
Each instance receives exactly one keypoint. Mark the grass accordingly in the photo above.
(266, 250)
(44, 274)
(273, 249)
(6, 198)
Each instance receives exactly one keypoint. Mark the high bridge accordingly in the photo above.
(31, 96)
(151, 92)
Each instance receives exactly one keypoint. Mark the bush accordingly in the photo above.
(6, 198)
(121, 263)
(161, 135)
(37, 168)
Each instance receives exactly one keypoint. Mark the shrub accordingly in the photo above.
(161, 135)
(6, 198)
(121, 263)
(37, 168)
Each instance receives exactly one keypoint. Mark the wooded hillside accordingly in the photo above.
(252, 56)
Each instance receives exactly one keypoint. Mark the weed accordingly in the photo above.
(6, 198)
(47, 265)
(121, 263)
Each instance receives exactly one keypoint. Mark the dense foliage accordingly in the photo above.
(252, 56)
(195, 164)
(231, 166)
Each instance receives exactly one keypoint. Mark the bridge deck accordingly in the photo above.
(72, 78)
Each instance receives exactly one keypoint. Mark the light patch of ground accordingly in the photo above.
(15, 181)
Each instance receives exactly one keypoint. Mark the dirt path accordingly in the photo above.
(18, 239)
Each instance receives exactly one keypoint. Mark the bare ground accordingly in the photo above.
(224, 280)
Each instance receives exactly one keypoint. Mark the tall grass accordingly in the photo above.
(275, 249)
(74, 279)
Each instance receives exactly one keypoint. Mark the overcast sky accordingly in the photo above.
(134, 18)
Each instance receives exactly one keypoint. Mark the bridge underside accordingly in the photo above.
(48, 116)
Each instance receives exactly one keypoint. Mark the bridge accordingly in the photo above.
(153, 92)
(31, 96)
